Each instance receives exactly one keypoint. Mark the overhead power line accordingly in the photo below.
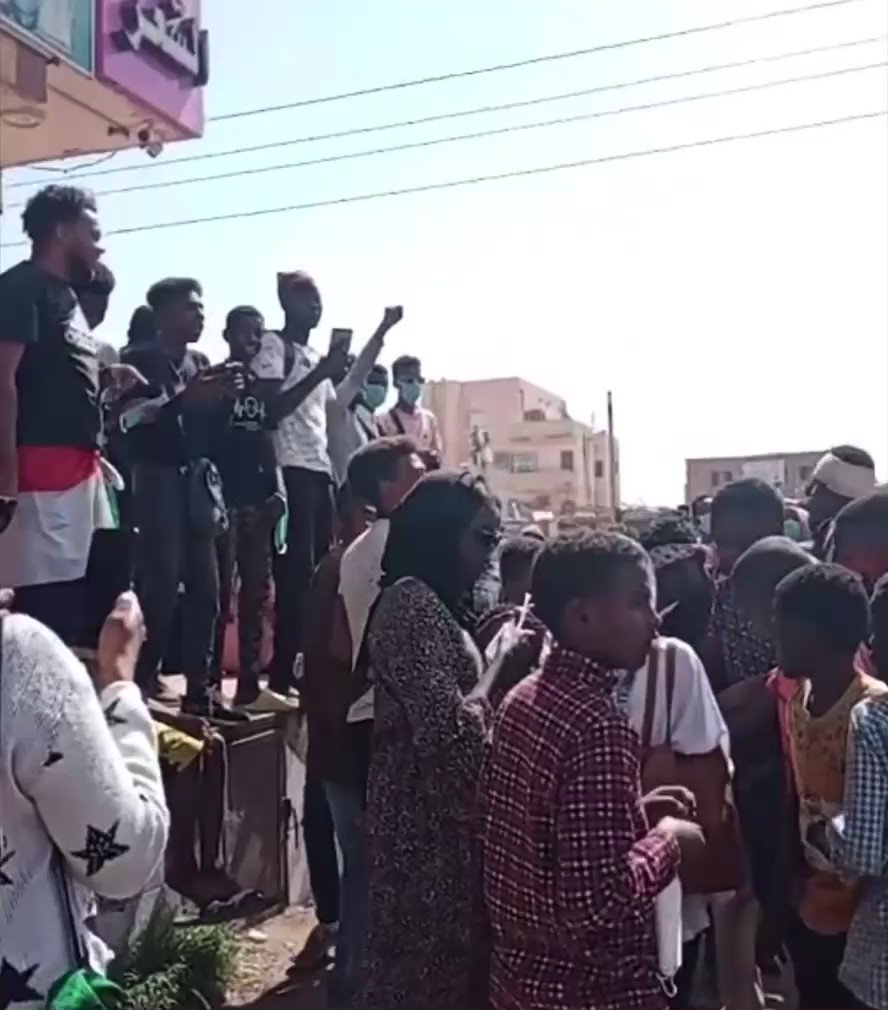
(497, 177)
(462, 113)
(497, 131)
(535, 60)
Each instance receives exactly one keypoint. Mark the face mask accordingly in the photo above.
(410, 391)
(374, 395)
(705, 522)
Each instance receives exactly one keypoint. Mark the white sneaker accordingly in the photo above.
(270, 701)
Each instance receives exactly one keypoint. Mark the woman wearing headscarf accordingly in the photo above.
(431, 717)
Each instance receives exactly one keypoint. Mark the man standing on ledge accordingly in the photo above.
(51, 494)
(308, 386)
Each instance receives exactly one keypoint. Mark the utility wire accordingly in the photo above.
(461, 113)
(498, 131)
(476, 180)
(535, 60)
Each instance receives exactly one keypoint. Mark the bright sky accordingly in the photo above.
(733, 297)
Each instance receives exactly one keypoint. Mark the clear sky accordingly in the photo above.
(732, 297)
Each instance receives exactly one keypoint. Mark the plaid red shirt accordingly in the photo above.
(570, 868)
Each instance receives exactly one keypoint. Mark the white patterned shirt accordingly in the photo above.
(78, 772)
(301, 436)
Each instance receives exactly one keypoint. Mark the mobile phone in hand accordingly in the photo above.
(340, 340)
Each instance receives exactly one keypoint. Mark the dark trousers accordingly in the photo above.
(684, 978)
(76, 610)
(168, 552)
(61, 606)
(816, 960)
(320, 849)
(309, 534)
(246, 547)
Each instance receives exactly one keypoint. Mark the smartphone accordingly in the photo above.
(340, 339)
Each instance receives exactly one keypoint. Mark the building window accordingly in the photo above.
(715, 479)
(542, 501)
(599, 469)
(525, 462)
(502, 461)
(567, 460)
(805, 473)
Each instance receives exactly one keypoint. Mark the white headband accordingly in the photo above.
(845, 479)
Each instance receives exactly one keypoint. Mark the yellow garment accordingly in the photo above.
(175, 747)
(818, 747)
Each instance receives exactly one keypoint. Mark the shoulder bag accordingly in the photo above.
(721, 866)
(81, 988)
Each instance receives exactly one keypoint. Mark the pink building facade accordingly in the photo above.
(535, 452)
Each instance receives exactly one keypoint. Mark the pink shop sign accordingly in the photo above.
(156, 52)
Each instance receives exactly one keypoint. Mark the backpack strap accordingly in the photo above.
(397, 422)
(289, 358)
(650, 697)
(670, 689)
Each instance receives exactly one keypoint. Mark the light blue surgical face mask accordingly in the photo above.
(374, 395)
(410, 390)
(792, 528)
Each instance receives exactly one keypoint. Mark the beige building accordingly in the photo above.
(790, 471)
(528, 446)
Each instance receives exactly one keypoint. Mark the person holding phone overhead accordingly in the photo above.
(307, 382)
(350, 422)
(408, 417)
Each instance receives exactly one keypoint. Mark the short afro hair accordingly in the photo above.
(241, 312)
(376, 462)
(577, 564)
(406, 363)
(52, 206)
(751, 500)
(171, 290)
(863, 523)
(831, 600)
(517, 555)
(669, 529)
(769, 561)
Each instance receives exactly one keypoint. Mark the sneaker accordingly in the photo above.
(268, 701)
(157, 690)
(319, 949)
(206, 707)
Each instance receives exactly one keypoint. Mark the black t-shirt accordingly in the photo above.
(176, 435)
(243, 449)
(58, 376)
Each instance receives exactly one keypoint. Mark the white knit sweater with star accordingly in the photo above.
(78, 771)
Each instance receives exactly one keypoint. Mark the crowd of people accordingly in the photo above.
(599, 768)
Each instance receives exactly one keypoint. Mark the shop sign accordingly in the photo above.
(63, 27)
(168, 33)
(157, 54)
